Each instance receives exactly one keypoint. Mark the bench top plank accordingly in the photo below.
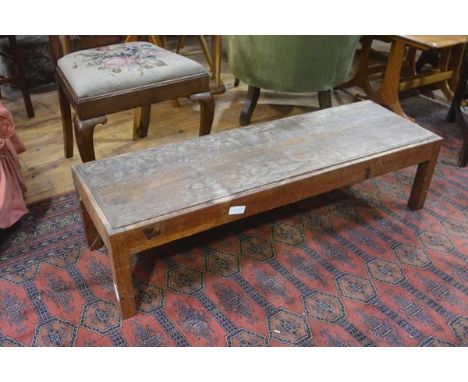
(135, 187)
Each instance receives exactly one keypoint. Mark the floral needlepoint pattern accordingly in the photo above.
(116, 58)
(256, 248)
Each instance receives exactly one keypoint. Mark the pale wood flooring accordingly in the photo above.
(47, 171)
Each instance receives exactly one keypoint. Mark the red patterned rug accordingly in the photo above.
(353, 267)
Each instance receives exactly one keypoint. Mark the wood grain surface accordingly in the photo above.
(131, 188)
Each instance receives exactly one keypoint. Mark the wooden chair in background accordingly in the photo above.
(295, 64)
(117, 77)
(18, 79)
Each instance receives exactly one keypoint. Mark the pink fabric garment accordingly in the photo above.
(12, 205)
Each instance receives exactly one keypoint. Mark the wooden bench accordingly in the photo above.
(145, 199)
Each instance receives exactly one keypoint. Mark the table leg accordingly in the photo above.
(422, 180)
(217, 53)
(387, 95)
(443, 66)
(410, 64)
(361, 77)
(122, 276)
(455, 64)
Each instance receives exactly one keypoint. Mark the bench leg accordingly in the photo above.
(84, 131)
(422, 180)
(122, 276)
(249, 106)
(92, 235)
(141, 121)
(206, 111)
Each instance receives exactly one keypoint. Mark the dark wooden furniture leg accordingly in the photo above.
(93, 239)
(249, 105)
(67, 125)
(422, 180)
(206, 111)
(361, 78)
(324, 98)
(20, 78)
(141, 121)
(122, 276)
(84, 131)
(236, 82)
(217, 53)
(463, 158)
(455, 113)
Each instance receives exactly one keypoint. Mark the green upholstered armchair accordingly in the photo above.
(296, 64)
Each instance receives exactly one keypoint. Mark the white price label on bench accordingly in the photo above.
(236, 210)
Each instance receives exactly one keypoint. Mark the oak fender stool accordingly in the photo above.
(145, 199)
(113, 78)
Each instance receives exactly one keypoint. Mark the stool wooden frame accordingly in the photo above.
(92, 111)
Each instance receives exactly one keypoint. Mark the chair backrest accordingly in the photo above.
(291, 63)
(62, 45)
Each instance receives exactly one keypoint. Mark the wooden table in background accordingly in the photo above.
(399, 72)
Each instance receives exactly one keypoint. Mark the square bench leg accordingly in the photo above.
(93, 238)
(122, 276)
(422, 180)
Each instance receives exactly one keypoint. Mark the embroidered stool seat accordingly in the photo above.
(123, 67)
(113, 78)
